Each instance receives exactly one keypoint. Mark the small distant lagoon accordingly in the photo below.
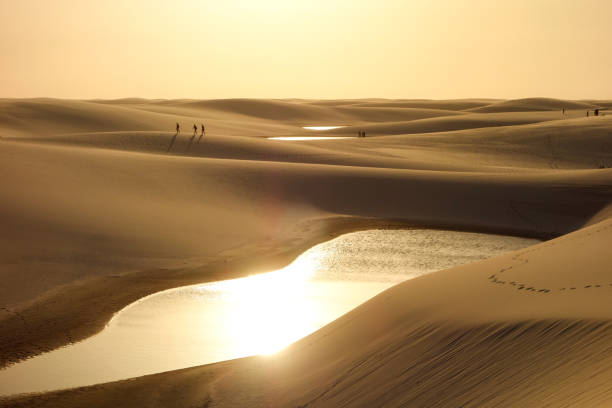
(319, 128)
(310, 137)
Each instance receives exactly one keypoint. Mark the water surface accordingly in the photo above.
(260, 314)
(319, 128)
(310, 137)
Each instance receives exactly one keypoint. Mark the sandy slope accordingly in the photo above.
(570, 143)
(452, 104)
(452, 122)
(96, 214)
(496, 333)
(535, 104)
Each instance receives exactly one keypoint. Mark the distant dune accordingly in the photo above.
(97, 212)
(533, 104)
(453, 122)
(454, 104)
(571, 143)
(267, 109)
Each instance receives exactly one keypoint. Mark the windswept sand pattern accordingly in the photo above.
(521, 258)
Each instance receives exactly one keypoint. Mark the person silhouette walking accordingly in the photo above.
(202, 133)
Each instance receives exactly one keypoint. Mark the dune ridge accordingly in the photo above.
(534, 104)
(96, 214)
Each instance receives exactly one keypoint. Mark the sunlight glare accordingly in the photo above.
(322, 127)
(298, 138)
(271, 310)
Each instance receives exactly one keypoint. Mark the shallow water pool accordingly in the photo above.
(319, 128)
(297, 138)
(261, 314)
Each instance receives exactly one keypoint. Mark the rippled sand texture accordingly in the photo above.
(96, 214)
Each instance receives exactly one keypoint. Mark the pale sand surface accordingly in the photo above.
(95, 214)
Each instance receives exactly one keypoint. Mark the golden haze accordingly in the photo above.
(305, 48)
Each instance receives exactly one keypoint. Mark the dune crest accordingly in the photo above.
(534, 104)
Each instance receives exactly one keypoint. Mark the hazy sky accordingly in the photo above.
(306, 48)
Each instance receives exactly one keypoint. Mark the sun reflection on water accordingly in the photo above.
(260, 314)
(322, 127)
(269, 311)
(298, 138)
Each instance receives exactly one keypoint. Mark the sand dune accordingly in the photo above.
(393, 114)
(41, 117)
(450, 123)
(268, 109)
(330, 102)
(300, 112)
(96, 214)
(605, 104)
(454, 105)
(253, 149)
(49, 116)
(533, 104)
(462, 337)
(489, 342)
(571, 143)
(44, 117)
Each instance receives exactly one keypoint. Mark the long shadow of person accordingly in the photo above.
(172, 142)
(195, 131)
(178, 130)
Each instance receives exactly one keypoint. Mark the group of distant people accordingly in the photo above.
(595, 112)
(588, 112)
(361, 133)
(195, 132)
